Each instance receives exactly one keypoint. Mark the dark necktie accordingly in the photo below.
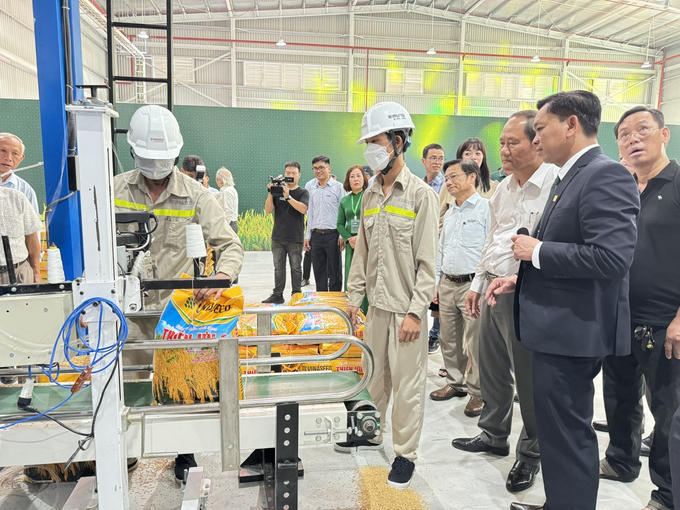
(551, 197)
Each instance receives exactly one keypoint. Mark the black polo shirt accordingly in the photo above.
(655, 273)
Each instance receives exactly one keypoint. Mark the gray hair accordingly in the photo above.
(12, 135)
(225, 177)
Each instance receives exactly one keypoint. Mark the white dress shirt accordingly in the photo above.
(229, 201)
(463, 236)
(561, 174)
(512, 206)
(19, 184)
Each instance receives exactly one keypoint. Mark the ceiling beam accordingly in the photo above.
(471, 9)
(590, 23)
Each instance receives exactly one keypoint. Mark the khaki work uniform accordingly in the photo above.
(183, 201)
(394, 264)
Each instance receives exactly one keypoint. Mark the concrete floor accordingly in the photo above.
(446, 478)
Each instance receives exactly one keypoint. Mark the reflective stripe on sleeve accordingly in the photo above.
(400, 212)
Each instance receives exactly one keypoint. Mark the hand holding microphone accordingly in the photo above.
(523, 244)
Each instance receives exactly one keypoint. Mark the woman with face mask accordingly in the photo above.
(349, 215)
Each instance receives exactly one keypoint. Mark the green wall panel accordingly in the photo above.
(255, 143)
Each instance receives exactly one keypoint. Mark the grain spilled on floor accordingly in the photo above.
(375, 494)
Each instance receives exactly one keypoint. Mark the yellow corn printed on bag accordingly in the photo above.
(192, 375)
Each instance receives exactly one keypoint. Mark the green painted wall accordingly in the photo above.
(254, 144)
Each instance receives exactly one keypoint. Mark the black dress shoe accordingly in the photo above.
(476, 445)
(525, 506)
(521, 476)
(601, 426)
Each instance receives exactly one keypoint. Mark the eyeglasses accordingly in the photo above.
(451, 177)
(434, 159)
(319, 168)
(643, 133)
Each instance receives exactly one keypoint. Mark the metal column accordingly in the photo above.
(63, 221)
(96, 201)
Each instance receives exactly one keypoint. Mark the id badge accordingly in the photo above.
(354, 226)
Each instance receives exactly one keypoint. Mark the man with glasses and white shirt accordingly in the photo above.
(322, 238)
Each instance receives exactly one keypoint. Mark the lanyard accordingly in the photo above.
(355, 207)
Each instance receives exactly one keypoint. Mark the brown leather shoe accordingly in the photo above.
(446, 393)
(525, 506)
(474, 407)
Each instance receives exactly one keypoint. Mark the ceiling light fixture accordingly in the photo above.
(281, 42)
(646, 64)
(431, 51)
(536, 59)
(143, 35)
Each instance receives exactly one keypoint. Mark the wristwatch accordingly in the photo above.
(413, 315)
(287, 199)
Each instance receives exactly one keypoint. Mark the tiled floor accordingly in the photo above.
(446, 478)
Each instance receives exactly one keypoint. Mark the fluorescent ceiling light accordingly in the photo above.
(431, 51)
(281, 42)
(143, 35)
(535, 59)
(646, 65)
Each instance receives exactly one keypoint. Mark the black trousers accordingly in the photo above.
(674, 448)
(563, 398)
(623, 389)
(307, 265)
(326, 262)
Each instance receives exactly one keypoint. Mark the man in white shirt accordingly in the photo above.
(518, 203)
(322, 238)
(466, 225)
(11, 154)
(228, 198)
(21, 224)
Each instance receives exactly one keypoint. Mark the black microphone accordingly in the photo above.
(523, 231)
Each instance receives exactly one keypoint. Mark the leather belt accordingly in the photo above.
(491, 277)
(3, 269)
(325, 230)
(460, 278)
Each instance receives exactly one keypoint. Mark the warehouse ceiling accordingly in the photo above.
(607, 23)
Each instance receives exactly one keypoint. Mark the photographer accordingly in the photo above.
(189, 167)
(289, 204)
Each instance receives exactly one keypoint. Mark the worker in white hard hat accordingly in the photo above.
(394, 265)
(177, 200)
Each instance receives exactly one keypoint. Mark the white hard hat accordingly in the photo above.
(385, 117)
(154, 133)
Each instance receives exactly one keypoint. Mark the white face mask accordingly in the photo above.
(154, 169)
(376, 156)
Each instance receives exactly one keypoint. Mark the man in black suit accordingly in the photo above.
(571, 295)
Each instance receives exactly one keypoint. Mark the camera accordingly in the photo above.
(277, 185)
(200, 173)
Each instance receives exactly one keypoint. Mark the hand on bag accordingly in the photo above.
(202, 295)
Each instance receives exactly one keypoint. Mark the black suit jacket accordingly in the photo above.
(577, 303)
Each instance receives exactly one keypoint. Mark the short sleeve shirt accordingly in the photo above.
(18, 220)
(655, 272)
(289, 224)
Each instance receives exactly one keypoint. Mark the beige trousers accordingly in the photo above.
(400, 372)
(23, 273)
(459, 338)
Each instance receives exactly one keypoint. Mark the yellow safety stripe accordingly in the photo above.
(369, 212)
(158, 212)
(175, 212)
(130, 205)
(400, 212)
